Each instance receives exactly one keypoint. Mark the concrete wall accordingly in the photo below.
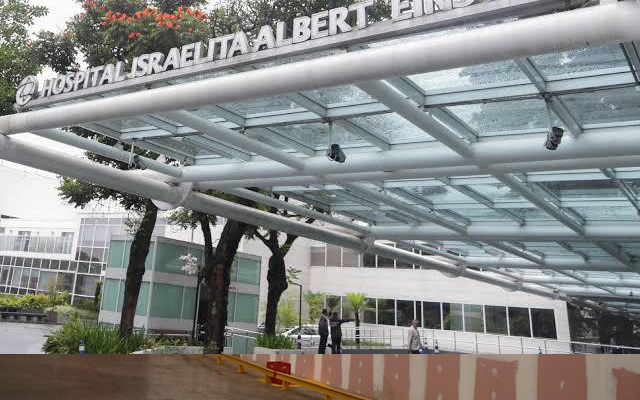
(471, 377)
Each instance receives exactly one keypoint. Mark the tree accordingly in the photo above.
(315, 301)
(16, 52)
(356, 301)
(106, 32)
(277, 273)
(287, 311)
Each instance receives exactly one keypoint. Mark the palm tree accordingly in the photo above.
(357, 302)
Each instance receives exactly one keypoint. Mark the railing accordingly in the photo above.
(37, 244)
(288, 381)
(477, 343)
(241, 341)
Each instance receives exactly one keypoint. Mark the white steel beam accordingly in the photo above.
(608, 23)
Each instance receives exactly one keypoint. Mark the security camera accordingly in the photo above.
(553, 138)
(137, 163)
(335, 153)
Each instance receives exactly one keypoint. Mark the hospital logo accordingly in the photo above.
(27, 90)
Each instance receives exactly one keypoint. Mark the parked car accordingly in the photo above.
(310, 336)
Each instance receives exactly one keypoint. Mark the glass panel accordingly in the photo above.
(33, 280)
(86, 284)
(110, 294)
(496, 317)
(120, 296)
(431, 315)
(589, 59)
(83, 267)
(101, 235)
(499, 72)
(248, 271)
(369, 311)
(473, 321)
(246, 308)
(452, 316)
(143, 299)
(148, 262)
(83, 253)
(403, 264)
(65, 282)
(392, 128)
(503, 116)
(339, 94)
(231, 307)
(316, 135)
(87, 232)
(64, 265)
(604, 106)
(519, 322)
(333, 256)
(166, 300)
(317, 256)
(405, 312)
(15, 280)
(234, 270)
(385, 262)
(46, 279)
(189, 303)
(55, 264)
(386, 312)
(544, 323)
(350, 258)
(24, 279)
(168, 258)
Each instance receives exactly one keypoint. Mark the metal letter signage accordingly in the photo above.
(303, 28)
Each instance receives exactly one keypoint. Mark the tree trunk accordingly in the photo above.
(277, 278)
(135, 269)
(357, 328)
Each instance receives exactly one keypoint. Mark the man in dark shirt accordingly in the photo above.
(336, 332)
(323, 330)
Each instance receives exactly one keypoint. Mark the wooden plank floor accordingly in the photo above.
(140, 377)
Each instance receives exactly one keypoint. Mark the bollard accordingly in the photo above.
(81, 347)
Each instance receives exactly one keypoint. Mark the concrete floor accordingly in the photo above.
(139, 377)
(20, 338)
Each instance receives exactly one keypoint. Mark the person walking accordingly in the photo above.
(336, 332)
(323, 330)
(415, 343)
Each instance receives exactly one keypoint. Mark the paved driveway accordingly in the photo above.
(18, 338)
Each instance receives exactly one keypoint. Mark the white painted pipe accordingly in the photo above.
(233, 138)
(556, 263)
(30, 155)
(424, 173)
(104, 150)
(593, 143)
(610, 23)
(489, 232)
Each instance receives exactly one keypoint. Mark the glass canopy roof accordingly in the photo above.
(595, 88)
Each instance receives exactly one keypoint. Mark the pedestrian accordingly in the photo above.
(336, 332)
(323, 330)
(415, 344)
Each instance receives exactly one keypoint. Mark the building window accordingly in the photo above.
(473, 318)
(22, 243)
(519, 322)
(248, 271)
(317, 256)
(405, 312)
(333, 304)
(431, 315)
(350, 258)
(544, 323)
(333, 256)
(452, 316)
(384, 262)
(166, 301)
(386, 312)
(246, 308)
(369, 312)
(369, 260)
(496, 318)
(67, 242)
(86, 285)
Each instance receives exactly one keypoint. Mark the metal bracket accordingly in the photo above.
(367, 242)
(185, 188)
(459, 271)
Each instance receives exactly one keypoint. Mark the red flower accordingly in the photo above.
(190, 29)
(169, 25)
(131, 35)
(104, 23)
(178, 26)
(180, 9)
(29, 43)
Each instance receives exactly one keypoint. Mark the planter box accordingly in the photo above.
(52, 317)
(264, 350)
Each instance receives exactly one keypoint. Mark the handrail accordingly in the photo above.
(288, 380)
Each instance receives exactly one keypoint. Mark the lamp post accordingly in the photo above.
(299, 285)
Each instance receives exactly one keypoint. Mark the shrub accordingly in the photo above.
(97, 339)
(74, 312)
(35, 301)
(275, 342)
(85, 304)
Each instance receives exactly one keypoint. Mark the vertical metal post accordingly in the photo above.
(455, 343)
(521, 346)
(476, 340)
(499, 349)
(545, 347)
(300, 309)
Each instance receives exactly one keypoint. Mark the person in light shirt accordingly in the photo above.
(415, 343)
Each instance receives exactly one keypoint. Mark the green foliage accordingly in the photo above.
(97, 339)
(75, 312)
(287, 315)
(86, 304)
(17, 58)
(356, 301)
(275, 342)
(365, 343)
(315, 302)
(34, 301)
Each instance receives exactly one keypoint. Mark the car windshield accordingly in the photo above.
(309, 331)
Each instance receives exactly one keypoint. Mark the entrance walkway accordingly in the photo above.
(140, 377)
(19, 338)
